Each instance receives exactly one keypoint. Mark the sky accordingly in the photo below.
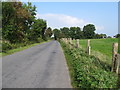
(104, 15)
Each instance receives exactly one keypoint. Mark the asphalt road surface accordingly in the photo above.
(41, 66)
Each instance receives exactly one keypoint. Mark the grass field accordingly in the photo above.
(101, 48)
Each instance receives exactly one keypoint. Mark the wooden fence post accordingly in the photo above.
(77, 43)
(74, 44)
(115, 60)
(88, 47)
(118, 64)
(66, 40)
(70, 43)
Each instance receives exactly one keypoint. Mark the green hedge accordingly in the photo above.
(88, 71)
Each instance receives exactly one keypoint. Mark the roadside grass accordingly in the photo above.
(20, 48)
(101, 48)
(87, 71)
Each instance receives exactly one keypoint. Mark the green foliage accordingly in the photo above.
(76, 33)
(89, 31)
(57, 34)
(48, 32)
(98, 36)
(38, 30)
(19, 48)
(117, 36)
(65, 32)
(20, 26)
(88, 71)
(6, 46)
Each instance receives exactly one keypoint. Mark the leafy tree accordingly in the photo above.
(76, 33)
(109, 37)
(103, 35)
(117, 36)
(89, 31)
(57, 34)
(72, 32)
(79, 33)
(13, 21)
(32, 13)
(65, 32)
(48, 32)
(38, 29)
(98, 36)
(19, 24)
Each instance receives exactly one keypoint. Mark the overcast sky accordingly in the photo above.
(104, 15)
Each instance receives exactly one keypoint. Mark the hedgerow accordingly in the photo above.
(87, 71)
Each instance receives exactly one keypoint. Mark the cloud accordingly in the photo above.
(100, 28)
(62, 20)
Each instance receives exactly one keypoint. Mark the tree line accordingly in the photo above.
(88, 32)
(19, 23)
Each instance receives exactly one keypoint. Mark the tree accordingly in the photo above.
(31, 20)
(48, 32)
(103, 35)
(20, 23)
(13, 21)
(57, 34)
(65, 32)
(79, 33)
(72, 32)
(89, 31)
(117, 36)
(98, 36)
(38, 29)
(109, 37)
(76, 33)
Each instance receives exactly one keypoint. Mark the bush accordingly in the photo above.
(88, 71)
(6, 46)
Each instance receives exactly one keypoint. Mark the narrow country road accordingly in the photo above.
(41, 66)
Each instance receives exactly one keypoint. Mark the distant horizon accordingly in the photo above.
(104, 15)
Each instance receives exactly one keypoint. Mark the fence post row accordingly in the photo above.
(115, 58)
(88, 47)
(115, 55)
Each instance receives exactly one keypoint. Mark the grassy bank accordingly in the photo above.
(88, 71)
(20, 48)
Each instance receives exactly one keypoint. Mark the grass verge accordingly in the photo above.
(88, 71)
(20, 49)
